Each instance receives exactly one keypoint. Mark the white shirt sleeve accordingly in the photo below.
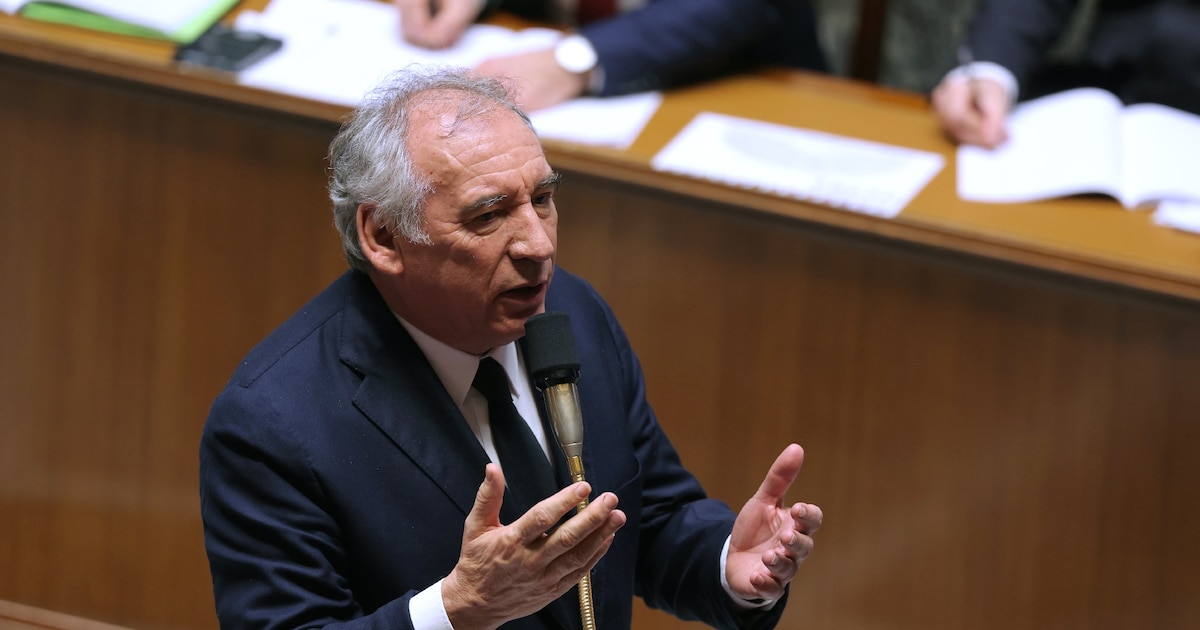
(427, 610)
(990, 71)
(739, 601)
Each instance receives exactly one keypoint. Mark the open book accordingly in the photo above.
(179, 21)
(1086, 141)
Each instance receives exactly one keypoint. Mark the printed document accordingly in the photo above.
(849, 173)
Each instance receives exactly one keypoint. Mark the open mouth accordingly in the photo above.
(526, 293)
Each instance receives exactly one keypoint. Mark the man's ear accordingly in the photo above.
(380, 246)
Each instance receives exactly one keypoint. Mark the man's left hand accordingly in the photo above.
(769, 539)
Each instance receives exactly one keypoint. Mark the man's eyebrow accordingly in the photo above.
(552, 180)
(490, 200)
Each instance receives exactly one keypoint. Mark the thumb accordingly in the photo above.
(485, 514)
(781, 475)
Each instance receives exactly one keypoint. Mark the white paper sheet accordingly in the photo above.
(1181, 215)
(1086, 141)
(337, 50)
(858, 175)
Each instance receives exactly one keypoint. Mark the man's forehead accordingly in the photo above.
(442, 112)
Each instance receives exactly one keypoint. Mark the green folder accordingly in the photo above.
(186, 34)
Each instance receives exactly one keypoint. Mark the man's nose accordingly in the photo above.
(535, 236)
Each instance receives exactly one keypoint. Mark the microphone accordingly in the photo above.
(553, 362)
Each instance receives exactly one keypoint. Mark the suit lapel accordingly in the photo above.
(402, 395)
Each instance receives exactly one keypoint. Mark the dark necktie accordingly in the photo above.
(526, 470)
(592, 10)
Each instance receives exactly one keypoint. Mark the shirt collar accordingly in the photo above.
(455, 368)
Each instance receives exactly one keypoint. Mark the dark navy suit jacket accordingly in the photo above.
(336, 474)
(1141, 50)
(668, 43)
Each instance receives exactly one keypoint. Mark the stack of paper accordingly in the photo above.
(868, 177)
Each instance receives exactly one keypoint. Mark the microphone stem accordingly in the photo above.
(586, 611)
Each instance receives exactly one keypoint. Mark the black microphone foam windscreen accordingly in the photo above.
(549, 344)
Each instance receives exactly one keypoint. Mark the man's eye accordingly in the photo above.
(543, 199)
(486, 217)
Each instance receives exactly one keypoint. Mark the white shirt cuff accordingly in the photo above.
(738, 600)
(427, 610)
(990, 71)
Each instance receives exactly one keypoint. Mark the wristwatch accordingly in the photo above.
(574, 53)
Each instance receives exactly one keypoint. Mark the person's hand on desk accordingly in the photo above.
(972, 110)
(436, 23)
(539, 79)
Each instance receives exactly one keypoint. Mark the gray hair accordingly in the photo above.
(369, 160)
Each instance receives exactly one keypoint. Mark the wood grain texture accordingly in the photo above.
(993, 447)
(146, 242)
(996, 445)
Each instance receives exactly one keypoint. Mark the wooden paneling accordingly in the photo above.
(995, 445)
(146, 242)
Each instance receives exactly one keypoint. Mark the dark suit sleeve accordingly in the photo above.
(272, 545)
(1017, 34)
(668, 42)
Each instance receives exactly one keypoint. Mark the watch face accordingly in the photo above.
(574, 53)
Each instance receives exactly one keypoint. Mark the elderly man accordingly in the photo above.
(352, 472)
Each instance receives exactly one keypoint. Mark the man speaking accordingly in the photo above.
(373, 463)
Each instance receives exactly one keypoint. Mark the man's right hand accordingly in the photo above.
(437, 23)
(972, 111)
(510, 571)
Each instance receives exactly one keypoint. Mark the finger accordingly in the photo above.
(448, 25)
(781, 567)
(808, 518)
(580, 549)
(583, 532)
(414, 21)
(485, 513)
(545, 514)
(573, 577)
(956, 112)
(767, 586)
(781, 475)
(795, 548)
(992, 104)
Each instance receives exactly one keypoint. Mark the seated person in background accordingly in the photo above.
(627, 46)
(1141, 50)
(353, 472)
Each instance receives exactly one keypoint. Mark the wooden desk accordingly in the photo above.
(998, 402)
